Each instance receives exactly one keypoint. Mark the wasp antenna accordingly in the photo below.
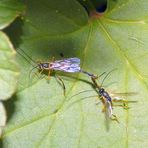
(25, 55)
(81, 92)
(31, 71)
(25, 58)
(107, 76)
(81, 99)
(101, 74)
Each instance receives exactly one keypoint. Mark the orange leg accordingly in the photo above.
(48, 75)
(103, 109)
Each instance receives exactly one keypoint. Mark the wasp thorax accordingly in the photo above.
(101, 90)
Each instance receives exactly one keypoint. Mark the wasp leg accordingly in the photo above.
(37, 74)
(123, 101)
(103, 102)
(48, 78)
(64, 88)
(124, 106)
(104, 109)
(114, 118)
(34, 73)
(97, 102)
(41, 73)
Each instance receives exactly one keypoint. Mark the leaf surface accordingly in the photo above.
(42, 116)
(9, 10)
(9, 70)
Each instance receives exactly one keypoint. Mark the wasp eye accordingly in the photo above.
(45, 65)
(40, 66)
(101, 90)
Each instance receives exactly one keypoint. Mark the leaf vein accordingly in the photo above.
(127, 60)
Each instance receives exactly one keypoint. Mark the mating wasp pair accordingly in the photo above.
(72, 65)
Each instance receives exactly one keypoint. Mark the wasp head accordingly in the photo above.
(101, 91)
(43, 66)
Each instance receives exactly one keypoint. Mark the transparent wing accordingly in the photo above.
(72, 60)
(107, 113)
(119, 99)
(123, 94)
(67, 65)
(69, 61)
(108, 109)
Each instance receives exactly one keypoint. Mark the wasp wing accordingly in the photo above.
(108, 114)
(120, 97)
(126, 94)
(67, 65)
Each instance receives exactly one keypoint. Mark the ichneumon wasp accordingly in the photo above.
(69, 65)
(109, 100)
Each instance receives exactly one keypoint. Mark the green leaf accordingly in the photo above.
(8, 74)
(3, 117)
(9, 69)
(42, 116)
(9, 10)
